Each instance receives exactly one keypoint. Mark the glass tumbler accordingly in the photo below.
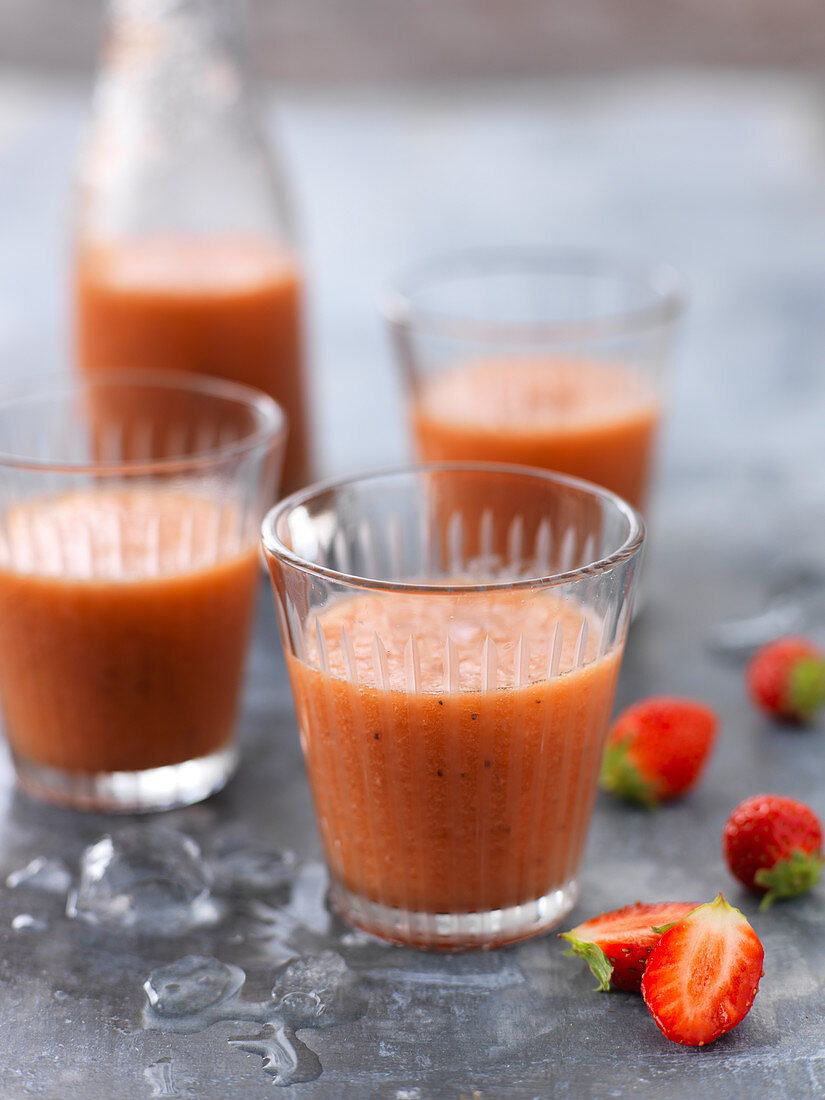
(539, 357)
(130, 509)
(453, 635)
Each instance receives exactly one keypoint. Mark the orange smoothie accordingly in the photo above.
(124, 620)
(473, 790)
(594, 420)
(225, 307)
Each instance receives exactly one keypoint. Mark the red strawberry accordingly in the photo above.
(774, 845)
(657, 749)
(786, 679)
(702, 975)
(616, 945)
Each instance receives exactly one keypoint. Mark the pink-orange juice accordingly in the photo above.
(589, 419)
(124, 621)
(470, 789)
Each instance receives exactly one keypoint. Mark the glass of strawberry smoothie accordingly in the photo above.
(542, 358)
(453, 635)
(130, 507)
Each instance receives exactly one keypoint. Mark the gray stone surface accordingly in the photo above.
(725, 177)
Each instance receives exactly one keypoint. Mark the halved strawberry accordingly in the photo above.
(702, 975)
(657, 749)
(616, 945)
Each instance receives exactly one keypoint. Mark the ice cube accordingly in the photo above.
(251, 871)
(316, 991)
(146, 880)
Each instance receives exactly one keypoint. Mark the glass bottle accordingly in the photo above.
(183, 257)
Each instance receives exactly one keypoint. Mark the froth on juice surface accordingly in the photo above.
(453, 762)
(124, 621)
(225, 307)
(589, 419)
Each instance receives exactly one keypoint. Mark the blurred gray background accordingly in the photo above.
(425, 39)
(691, 131)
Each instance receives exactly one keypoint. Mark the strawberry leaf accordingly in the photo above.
(600, 965)
(620, 775)
(789, 877)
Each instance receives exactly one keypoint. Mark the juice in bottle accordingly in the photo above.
(225, 307)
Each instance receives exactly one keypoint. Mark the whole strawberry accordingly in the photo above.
(657, 748)
(774, 846)
(786, 679)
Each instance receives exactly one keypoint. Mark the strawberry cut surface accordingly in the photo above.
(703, 974)
(616, 945)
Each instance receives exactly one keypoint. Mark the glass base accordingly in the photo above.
(130, 792)
(455, 931)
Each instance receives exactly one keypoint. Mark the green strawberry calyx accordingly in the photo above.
(620, 775)
(600, 965)
(806, 688)
(791, 876)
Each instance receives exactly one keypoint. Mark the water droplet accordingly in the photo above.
(25, 922)
(42, 873)
(144, 879)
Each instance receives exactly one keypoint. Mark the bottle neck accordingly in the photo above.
(216, 21)
(178, 47)
(174, 143)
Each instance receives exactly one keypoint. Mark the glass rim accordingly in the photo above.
(664, 285)
(275, 546)
(271, 429)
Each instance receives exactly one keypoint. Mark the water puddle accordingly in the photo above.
(197, 991)
(160, 1078)
(269, 912)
